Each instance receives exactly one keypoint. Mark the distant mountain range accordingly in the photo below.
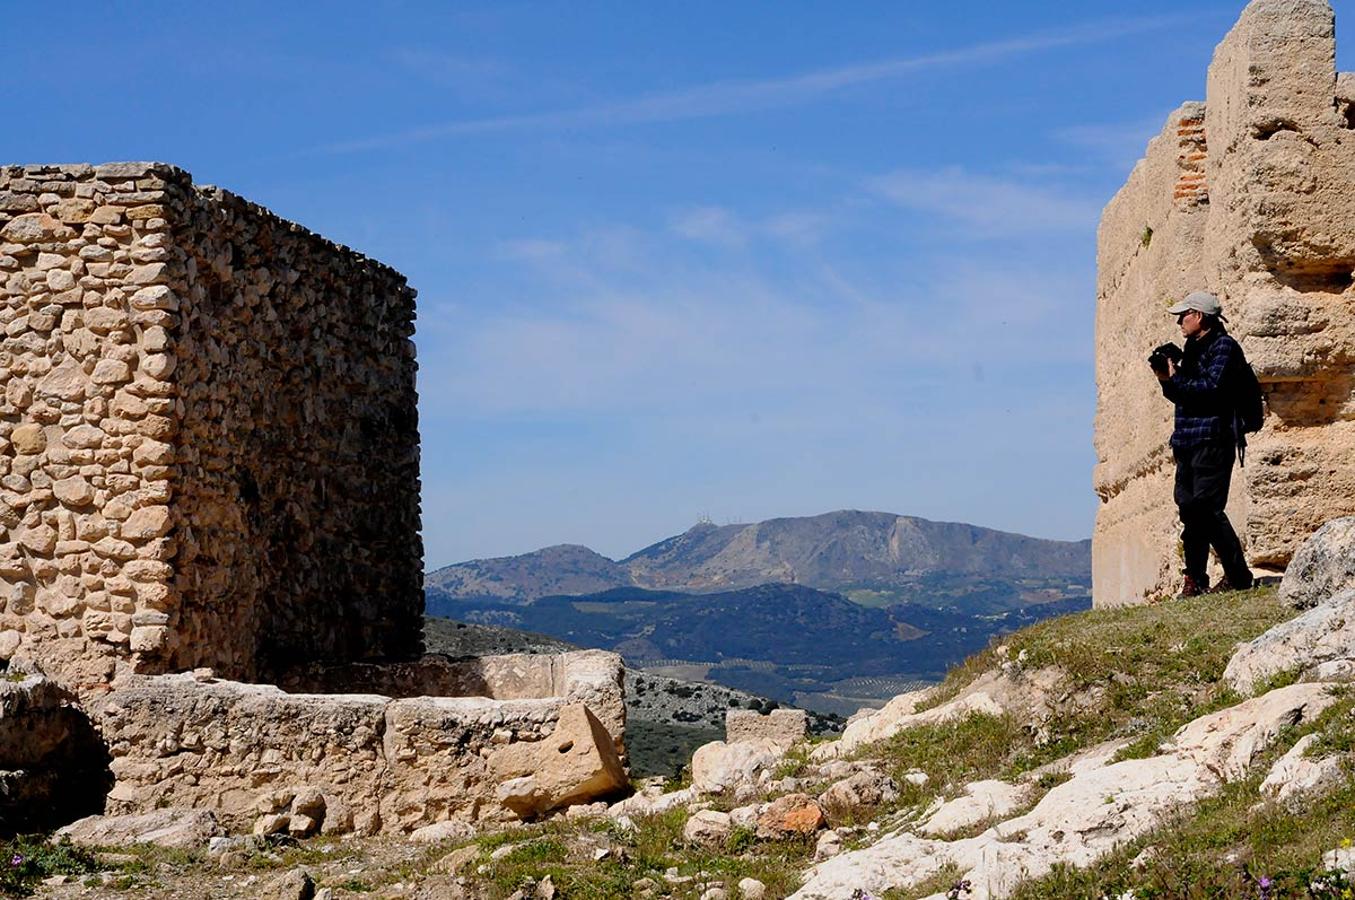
(829, 612)
(885, 554)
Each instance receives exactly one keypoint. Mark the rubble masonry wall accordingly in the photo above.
(208, 436)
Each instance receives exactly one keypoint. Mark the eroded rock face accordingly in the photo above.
(849, 797)
(576, 763)
(1248, 195)
(1295, 778)
(719, 767)
(1100, 808)
(1322, 636)
(982, 801)
(1323, 566)
(162, 342)
(180, 829)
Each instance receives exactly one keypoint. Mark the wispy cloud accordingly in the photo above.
(1115, 143)
(724, 98)
(989, 206)
(719, 227)
(671, 335)
(710, 225)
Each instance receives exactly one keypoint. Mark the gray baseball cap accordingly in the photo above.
(1203, 301)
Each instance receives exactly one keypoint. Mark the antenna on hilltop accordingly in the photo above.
(705, 519)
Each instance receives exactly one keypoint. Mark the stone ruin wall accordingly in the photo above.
(403, 747)
(1251, 195)
(208, 433)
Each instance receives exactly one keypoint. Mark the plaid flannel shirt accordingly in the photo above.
(1204, 411)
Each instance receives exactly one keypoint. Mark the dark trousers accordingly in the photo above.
(1203, 473)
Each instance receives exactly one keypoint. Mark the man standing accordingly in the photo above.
(1204, 441)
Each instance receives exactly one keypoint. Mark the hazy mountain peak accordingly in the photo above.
(830, 551)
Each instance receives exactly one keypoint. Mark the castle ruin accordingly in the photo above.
(209, 449)
(209, 535)
(1250, 195)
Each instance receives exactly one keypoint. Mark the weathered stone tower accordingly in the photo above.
(1251, 195)
(209, 445)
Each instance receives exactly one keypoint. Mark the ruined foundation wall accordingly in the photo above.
(379, 763)
(208, 438)
(1257, 207)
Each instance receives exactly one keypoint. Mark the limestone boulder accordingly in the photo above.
(294, 885)
(1102, 807)
(180, 829)
(982, 801)
(1227, 742)
(752, 889)
(707, 828)
(577, 763)
(1322, 637)
(1295, 777)
(792, 815)
(828, 846)
(858, 792)
(448, 830)
(651, 802)
(718, 767)
(1322, 567)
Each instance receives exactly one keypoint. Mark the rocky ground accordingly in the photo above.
(1195, 748)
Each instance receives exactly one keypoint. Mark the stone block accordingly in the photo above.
(781, 726)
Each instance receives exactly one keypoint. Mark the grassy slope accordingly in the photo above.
(1134, 674)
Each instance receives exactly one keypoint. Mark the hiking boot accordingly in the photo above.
(1192, 588)
(1226, 584)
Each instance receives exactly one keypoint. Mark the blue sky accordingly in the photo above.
(674, 260)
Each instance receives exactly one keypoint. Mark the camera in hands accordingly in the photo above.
(1158, 358)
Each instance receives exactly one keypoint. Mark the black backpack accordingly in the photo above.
(1249, 411)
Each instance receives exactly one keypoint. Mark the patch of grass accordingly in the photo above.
(794, 763)
(1136, 672)
(356, 886)
(28, 859)
(950, 754)
(563, 850)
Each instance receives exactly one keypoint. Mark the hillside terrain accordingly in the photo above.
(1098, 724)
(829, 613)
(884, 556)
(795, 644)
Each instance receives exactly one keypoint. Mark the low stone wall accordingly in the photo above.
(591, 677)
(263, 758)
(783, 727)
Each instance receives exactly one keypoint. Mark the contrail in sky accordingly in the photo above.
(723, 98)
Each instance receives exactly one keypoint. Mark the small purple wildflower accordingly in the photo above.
(16, 860)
